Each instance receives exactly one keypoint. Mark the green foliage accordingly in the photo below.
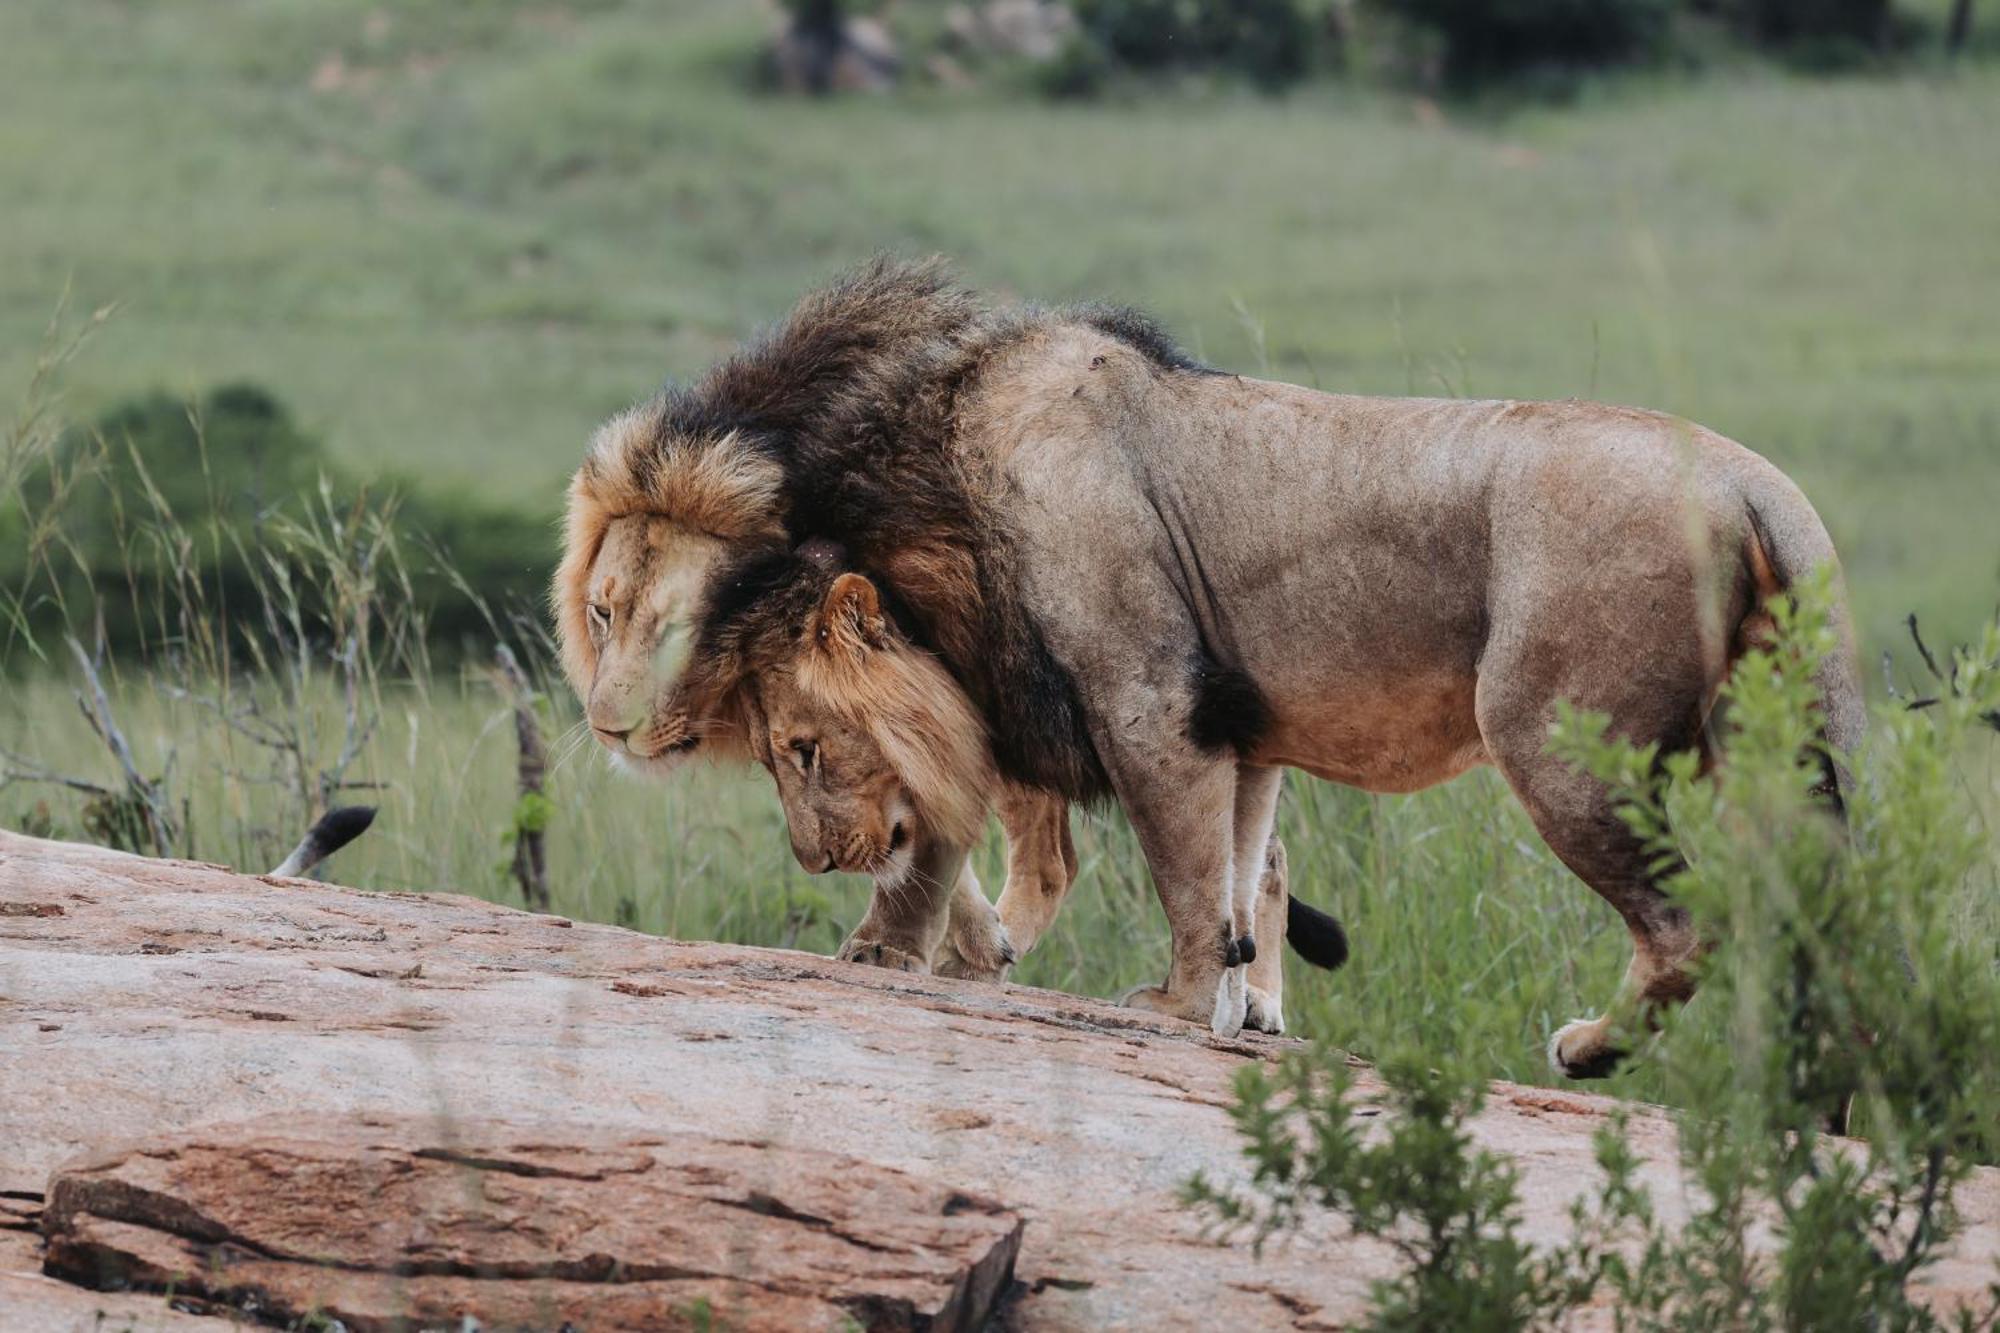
(1841, 977)
(531, 814)
(1450, 1210)
(508, 220)
(1813, 32)
(826, 13)
(1272, 43)
(1487, 39)
(162, 510)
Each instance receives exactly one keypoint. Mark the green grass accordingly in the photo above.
(502, 221)
(1468, 936)
(456, 238)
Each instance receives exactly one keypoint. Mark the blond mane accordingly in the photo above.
(636, 465)
(921, 721)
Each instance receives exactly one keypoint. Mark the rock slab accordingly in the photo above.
(382, 1222)
(188, 1054)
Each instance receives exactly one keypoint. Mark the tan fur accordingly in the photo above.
(919, 720)
(1165, 583)
(882, 768)
(845, 808)
(1412, 587)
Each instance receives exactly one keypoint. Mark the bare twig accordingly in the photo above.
(530, 854)
(1952, 684)
(148, 794)
(21, 769)
(1922, 648)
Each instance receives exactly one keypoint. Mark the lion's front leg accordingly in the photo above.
(976, 944)
(1041, 861)
(1181, 803)
(907, 917)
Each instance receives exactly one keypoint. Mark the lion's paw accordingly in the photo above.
(976, 946)
(1158, 1000)
(874, 953)
(1232, 1002)
(1263, 1012)
(1584, 1049)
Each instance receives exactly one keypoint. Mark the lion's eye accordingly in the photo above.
(805, 754)
(600, 619)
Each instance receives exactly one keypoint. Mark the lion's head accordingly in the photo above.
(874, 748)
(654, 513)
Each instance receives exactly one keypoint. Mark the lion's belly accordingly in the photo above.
(1387, 736)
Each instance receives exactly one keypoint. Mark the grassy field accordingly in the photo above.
(456, 236)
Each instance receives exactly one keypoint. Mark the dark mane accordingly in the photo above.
(851, 402)
(1141, 332)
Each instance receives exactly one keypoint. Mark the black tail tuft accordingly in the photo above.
(335, 829)
(1314, 936)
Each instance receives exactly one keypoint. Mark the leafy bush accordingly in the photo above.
(1485, 39)
(207, 501)
(1270, 42)
(1839, 980)
(1450, 1209)
(1823, 32)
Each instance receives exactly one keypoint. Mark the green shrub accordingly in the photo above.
(163, 513)
(1270, 42)
(1487, 39)
(1450, 1209)
(1839, 979)
(1818, 32)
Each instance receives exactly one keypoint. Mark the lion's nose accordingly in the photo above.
(811, 859)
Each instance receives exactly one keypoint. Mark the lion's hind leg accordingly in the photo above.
(1579, 821)
(1257, 873)
(1265, 974)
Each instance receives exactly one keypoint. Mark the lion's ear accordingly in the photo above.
(850, 620)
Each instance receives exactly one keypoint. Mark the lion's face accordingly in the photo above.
(844, 802)
(638, 601)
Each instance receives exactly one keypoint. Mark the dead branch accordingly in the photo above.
(530, 854)
(19, 768)
(1923, 649)
(1953, 686)
(149, 796)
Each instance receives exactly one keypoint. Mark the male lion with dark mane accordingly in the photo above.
(1167, 584)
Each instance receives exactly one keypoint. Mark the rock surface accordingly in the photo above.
(469, 1107)
(375, 1219)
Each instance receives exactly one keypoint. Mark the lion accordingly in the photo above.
(882, 767)
(1166, 584)
(643, 571)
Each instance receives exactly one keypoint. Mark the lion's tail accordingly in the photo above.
(335, 829)
(1787, 545)
(1314, 936)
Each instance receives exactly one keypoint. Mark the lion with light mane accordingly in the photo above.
(882, 767)
(1165, 584)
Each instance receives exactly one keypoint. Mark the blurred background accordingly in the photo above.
(307, 309)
